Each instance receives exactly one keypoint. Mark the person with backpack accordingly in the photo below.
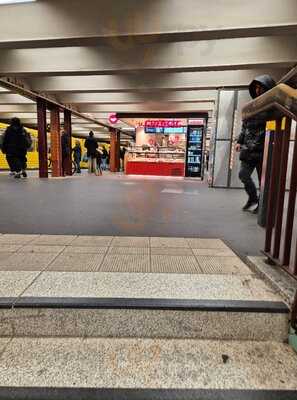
(77, 156)
(16, 143)
(91, 145)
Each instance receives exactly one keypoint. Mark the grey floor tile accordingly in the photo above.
(4, 256)
(41, 249)
(174, 264)
(129, 241)
(26, 261)
(126, 263)
(76, 262)
(17, 239)
(168, 242)
(197, 243)
(58, 240)
(223, 265)
(9, 248)
(85, 250)
(92, 241)
(171, 251)
(13, 283)
(214, 252)
(129, 250)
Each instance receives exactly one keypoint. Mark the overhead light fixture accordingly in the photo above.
(15, 1)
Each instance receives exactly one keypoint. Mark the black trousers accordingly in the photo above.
(16, 163)
(245, 175)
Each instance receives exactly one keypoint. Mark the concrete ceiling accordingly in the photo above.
(100, 57)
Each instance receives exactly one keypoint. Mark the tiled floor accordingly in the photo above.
(118, 254)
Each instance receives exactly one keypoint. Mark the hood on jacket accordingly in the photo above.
(266, 81)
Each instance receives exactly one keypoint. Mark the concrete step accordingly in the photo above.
(173, 306)
(146, 369)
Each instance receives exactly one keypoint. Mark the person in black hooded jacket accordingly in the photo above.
(16, 143)
(251, 143)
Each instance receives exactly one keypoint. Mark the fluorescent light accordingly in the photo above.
(15, 1)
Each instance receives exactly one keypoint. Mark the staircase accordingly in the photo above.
(143, 335)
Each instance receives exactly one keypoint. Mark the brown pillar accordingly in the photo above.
(56, 143)
(114, 151)
(68, 130)
(42, 138)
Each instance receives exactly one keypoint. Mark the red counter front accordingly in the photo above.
(155, 168)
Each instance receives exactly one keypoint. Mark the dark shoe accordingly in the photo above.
(24, 174)
(249, 204)
(256, 210)
(18, 175)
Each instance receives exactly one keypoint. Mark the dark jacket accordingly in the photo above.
(77, 152)
(65, 143)
(98, 157)
(16, 141)
(252, 136)
(104, 153)
(91, 145)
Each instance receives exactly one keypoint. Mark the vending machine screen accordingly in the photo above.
(194, 151)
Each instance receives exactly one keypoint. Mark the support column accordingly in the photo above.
(68, 130)
(42, 138)
(114, 150)
(56, 155)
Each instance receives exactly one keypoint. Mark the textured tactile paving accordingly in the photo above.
(196, 243)
(27, 261)
(168, 242)
(85, 250)
(59, 240)
(9, 248)
(127, 241)
(222, 265)
(171, 251)
(174, 264)
(76, 262)
(92, 241)
(17, 239)
(41, 249)
(145, 251)
(214, 252)
(126, 263)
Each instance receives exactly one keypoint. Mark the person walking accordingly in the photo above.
(91, 145)
(16, 142)
(251, 143)
(66, 152)
(104, 158)
(77, 156)
(98, 163)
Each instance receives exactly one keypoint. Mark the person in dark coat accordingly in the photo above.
(66, 151)
(251, 143)
(77, 156)
(98, 162)
(16, 142)
(91, 145)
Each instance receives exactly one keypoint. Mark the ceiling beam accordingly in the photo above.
(120, 24)
(148, 82)
(214, 55)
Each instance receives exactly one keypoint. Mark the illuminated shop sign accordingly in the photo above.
(113, 119)
(181, 130)
(162, 123)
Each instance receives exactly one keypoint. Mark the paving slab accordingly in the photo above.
(17, 239)
(214, 252)
(168, 242)
(222, 265)
(85, 250)
(130, 241)
(126, 263)
(12, 283)
(76, 262)
(26, 261)
(129, 250)
(201, 243)
(94, 241)
(174, 264)
(60, 240)
(171, 251)
(147, 363)
(9, 248)
(139, 285)
(41, 249)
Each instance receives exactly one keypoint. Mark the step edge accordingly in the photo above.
(271, 307)
(47, 393)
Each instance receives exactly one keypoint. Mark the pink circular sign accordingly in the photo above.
(113, 119)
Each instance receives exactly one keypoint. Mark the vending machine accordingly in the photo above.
(194, 153)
